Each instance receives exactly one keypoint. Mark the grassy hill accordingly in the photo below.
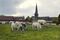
(46, 33)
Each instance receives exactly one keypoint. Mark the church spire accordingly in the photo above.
(36, 13)
(36, 10)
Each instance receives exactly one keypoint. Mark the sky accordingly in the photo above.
(27, 7)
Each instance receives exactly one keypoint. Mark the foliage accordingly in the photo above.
(2, 15)
(58, 20)
(29, 19)
(54, 20)
(59, 17)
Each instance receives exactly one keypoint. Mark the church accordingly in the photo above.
(36, 16)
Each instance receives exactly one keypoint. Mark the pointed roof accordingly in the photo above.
(36, 11)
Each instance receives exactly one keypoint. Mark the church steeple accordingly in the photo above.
(36, 13)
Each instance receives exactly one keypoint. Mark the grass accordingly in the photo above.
(46, 33)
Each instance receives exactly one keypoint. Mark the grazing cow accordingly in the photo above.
(18, 25)
(15, 25)
(2, 22)
(42, 22)
(36, 25)
(12, 25)
(23, 26)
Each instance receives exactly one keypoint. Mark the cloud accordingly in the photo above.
(17, 14)
(8, 7)
(50, 8)
(45, 7)
(29, 3)
(27, 7)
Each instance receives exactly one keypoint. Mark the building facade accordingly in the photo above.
(11, 18)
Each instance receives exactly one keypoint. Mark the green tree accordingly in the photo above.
(27, 18)
(58, 21)
(59, 18)
(2, 15)
(54, 19)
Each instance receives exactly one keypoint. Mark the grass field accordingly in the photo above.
(46, 33)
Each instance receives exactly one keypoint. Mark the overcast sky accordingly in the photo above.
(27, 7)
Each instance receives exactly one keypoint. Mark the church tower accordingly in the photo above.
(36, 13)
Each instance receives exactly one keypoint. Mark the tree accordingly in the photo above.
(54, 20)
(58, 22)
(59, 18)
(29, 19)
(2, 15)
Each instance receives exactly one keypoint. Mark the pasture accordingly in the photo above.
(46, 33)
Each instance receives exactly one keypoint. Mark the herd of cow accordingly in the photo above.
(22, 26)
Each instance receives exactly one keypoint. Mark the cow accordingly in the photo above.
(36, 25)
(18, 25)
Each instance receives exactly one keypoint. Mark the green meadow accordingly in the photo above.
(45, 33)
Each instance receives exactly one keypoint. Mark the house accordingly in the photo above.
(48, 19)
(11, 18)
